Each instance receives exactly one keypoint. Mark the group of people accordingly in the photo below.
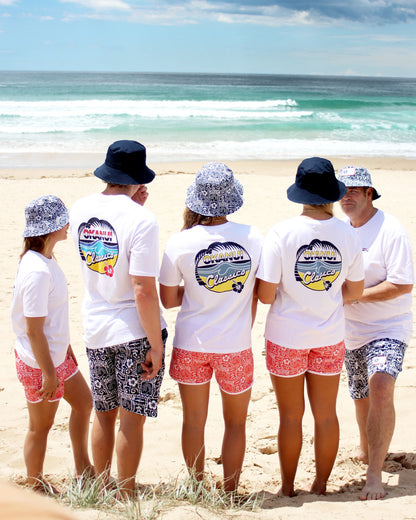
(336, 289)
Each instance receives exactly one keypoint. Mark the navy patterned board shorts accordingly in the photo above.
(115, 375)
(381, 355)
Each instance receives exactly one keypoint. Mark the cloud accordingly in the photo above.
(7, 2)
(100, 5)
(262, 12)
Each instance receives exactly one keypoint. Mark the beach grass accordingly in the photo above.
(151, 500)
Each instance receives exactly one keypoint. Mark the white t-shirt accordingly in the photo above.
(218, 265)
(41, 290)
(387, 256)
(116, 239)
(309, 260)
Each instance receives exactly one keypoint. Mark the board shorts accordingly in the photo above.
(233, 371)
(32, 378)
(289, 362)
(115, 376)
(381, 355)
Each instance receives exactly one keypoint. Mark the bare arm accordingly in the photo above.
(266, 291)
(171, 296)
(147, 304)
(384, 291)
(254, 303)
(351, 291)
(40, 348)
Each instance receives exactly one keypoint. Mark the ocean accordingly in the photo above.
(180, 117)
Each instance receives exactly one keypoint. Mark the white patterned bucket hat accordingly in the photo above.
(215, 192)
(45, 215)
(357, 176)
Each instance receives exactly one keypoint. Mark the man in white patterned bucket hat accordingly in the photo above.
(378, 324)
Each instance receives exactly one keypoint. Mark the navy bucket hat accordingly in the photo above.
(125, 164)
(316, 183)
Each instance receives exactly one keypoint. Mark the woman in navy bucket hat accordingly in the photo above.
(309, 263)
(45, 362)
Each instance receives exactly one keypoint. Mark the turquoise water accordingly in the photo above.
(207, 116)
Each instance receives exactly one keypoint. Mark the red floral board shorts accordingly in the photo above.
(233, 371)
(289, 362)
(32, 379)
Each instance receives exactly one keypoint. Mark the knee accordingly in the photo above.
(381, 388)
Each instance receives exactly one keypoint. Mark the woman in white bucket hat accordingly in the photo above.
(45, 362)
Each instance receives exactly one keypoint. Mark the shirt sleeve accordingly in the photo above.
(270, 267)
(36, 294)
(170, 274)
(144, 251)
(398, 260)
(356, 268)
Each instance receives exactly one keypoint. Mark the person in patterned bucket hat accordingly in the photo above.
(215, 191)
(208, 270)
(45, 215)
(378, 323)
(45, 362)
(357, 176)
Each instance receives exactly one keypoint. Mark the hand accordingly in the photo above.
(49, 387)
(141, 194)
(152, 364)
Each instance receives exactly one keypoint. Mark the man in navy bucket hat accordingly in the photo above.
(378, 323)
(124, 331)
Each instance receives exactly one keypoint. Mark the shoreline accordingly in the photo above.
(275, 167)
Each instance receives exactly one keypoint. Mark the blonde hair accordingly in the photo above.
(191, 219)
(325, 208)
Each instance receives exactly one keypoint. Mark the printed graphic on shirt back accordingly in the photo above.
(318, 265)
(222, 267)
(98, 246)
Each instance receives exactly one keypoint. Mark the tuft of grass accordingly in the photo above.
(151, 500)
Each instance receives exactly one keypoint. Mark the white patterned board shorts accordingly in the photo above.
(115, 375)
(381, 355)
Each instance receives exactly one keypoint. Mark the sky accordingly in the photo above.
(329, 37)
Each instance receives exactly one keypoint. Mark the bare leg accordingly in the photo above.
(195, 400)
(361, 414)
(291, 403)
(41, 417)
(322, 392)
(78, 395)
(234, 442)
(102, 442)
(129, 446)
(380, 428)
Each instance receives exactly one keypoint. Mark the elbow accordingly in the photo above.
(266, 299)
(167, 304)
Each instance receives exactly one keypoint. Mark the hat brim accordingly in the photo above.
(302, 196)
(115, 176)
(200, 206)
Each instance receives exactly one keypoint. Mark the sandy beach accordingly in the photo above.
(265, 184)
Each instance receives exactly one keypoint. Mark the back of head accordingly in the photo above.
(215, 192)
(125, 164)
(315, 183)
